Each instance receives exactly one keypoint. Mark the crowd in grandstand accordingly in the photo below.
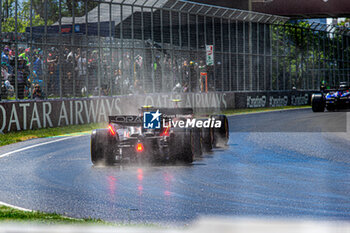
(79, 71)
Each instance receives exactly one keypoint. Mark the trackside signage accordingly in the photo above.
(34, 115)
(276, 101)
(271, 99)
(25, 115)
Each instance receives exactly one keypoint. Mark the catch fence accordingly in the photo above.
(88, 48)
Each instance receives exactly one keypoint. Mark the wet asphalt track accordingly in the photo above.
(277, 164)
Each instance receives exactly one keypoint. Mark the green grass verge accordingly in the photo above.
(13, 137)
(8, 214)
(12, 215)
(254, 110)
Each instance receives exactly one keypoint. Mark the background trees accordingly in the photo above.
(8, 9)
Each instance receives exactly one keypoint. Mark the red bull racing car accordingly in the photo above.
(158, 134)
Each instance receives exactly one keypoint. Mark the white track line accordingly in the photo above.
(33, 146)
(15, 207)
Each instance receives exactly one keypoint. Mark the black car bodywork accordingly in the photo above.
(126, 140)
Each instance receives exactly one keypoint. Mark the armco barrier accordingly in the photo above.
(24, 115)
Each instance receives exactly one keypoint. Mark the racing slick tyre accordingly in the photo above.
(317, 102)
(207, 136)
(100, 148)
(196, 142)
(181, 145)
(96, 153)
(221, 135)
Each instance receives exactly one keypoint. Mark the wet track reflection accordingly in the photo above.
(263, 174)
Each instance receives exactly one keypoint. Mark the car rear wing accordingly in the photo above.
(133, 120)
(130, 120)
(169, 111)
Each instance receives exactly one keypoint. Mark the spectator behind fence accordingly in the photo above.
(68, 70)
(4, 71)
(22, 74)
(5, 58)
(3, 77)
(38, 93)
(25, 55)
(81, 65)
(52, 66)
(6, 78)
(12, 51)
(92, 69)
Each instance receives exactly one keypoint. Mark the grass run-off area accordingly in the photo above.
(13, 137)
(8, 214)
(255, 110)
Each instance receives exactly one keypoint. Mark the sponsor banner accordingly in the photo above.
(271, 99)
(25, 115)
(15, 116)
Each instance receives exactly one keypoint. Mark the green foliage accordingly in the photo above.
(13, 137)
(10, 23)
(256, 110)
(23, 17)
(306, 54)
(10, 214)
(39, 13)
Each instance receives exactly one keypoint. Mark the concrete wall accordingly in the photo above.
(24, 115)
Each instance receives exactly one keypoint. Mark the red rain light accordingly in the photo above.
(139, 147)
(111, 130)
(165, 131)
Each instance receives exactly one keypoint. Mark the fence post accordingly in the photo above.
(1, 44)
(60, 76)
(87, 78)
(16, 53)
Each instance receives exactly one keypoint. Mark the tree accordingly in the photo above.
(40, 12)
(66, 8)
(23, 17)
(308, 55)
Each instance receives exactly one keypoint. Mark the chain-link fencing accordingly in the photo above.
(77, 48)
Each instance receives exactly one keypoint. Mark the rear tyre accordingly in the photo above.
(221, 135)
(96, 154)
(196, 142)
(181, 146)
(317, 102)
(207, 139)
(101, 152)
(189, 145)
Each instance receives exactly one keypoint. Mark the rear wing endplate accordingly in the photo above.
(169, 111)
(126, 120)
